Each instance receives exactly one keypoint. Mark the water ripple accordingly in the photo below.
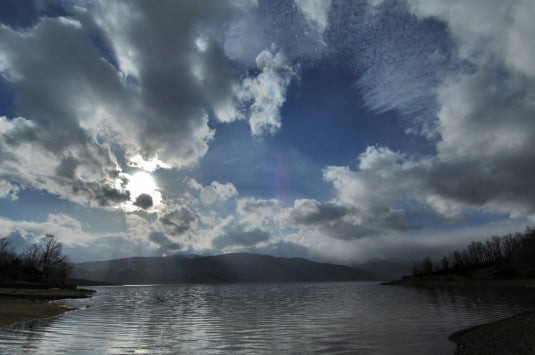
(334, 318)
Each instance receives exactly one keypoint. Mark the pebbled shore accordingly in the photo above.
(514, 335)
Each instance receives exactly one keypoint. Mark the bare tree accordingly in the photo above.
(494, 247)
(427, 265)
(509, 256)
(7, 260)
(45, 262)
(445, 263)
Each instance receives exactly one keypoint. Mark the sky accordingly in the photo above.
(338, 131)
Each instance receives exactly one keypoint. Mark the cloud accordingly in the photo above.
(312, 212)
(34, 158)
(316, 12)
(397, 60)
(240, 238)
(122, 85)
(403, 246)
(217, 192)
(376, 192)
(164, 242)
(259, 213)
(111, 96)
(78, 243)
(507, 38)
(266, 92)
(484, 115)
(478, 115)
(174, 100)
(48, 147)
(8, 189)
(99, 82)
(179, 220)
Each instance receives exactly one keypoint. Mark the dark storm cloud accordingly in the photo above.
(67, 167)
(52, 110)
(177, 95)
(318, 213)
(111, 196)
(179, 220)
(165, 244)
(84, 92)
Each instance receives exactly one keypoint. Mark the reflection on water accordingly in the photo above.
(356, 317)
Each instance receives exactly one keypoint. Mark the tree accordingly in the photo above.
(427, 265)
(445, 264)
(30, 268)
(494, 247)
(45, 262)
(458, 260)
(507, 256)
(54, 265)
(7, 260)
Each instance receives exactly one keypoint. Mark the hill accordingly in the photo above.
(237, 267)
(390, 269)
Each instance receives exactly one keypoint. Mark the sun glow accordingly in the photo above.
(142, 183)
(137, 161)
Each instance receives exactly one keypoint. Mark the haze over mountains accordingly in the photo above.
(237, 267)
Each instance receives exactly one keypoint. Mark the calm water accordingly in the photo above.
(356, 317)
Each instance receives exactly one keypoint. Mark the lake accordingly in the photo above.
(347, 317)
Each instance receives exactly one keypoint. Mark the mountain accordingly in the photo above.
(390, 269)
(236, 267)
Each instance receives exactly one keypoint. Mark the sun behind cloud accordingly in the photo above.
(142, 186)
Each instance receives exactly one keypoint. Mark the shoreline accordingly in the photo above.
(513, 335)
(460, 282)
(25, 305)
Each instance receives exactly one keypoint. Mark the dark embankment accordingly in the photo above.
(514, 335)
(239, 267)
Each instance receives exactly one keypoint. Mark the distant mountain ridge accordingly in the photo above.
(235, 267)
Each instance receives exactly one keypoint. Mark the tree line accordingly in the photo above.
(511, 255)
(42, 262)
